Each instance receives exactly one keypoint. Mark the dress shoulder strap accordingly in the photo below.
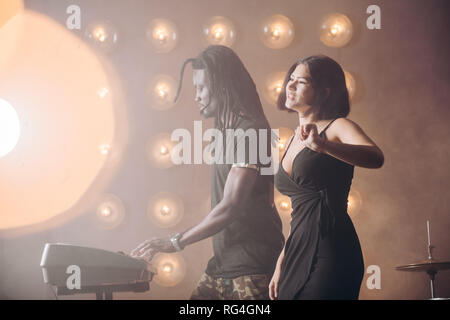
(289, 144)
(327, 126)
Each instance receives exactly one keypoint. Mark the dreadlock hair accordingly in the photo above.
(231, 83)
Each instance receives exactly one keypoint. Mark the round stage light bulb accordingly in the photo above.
(164, 150)
(165, 209)
(219, 31)
(283, 203)
(102, 92)
(102, 35)
(106, 211)
(277, 32)
(167, 268)
(336, 30)
(273, 86)
(162, 35)
(161, 91)
(159, 151)
(105, 148)
(9, 128)
(354, 202)
(170, 268)
(350, 84)
(110, 212)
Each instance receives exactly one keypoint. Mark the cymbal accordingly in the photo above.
(426, 265)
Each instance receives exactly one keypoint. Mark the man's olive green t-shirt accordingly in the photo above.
(252, 242)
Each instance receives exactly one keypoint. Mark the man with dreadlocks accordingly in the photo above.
(244, 223)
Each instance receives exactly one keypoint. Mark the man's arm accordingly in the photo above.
(238, 187)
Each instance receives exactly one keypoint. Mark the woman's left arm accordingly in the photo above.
(355, 147)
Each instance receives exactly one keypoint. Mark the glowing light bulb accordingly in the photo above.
(284, 204)
(162, 92)
(162, 35)
(273, 86)
(165, 210)
(171, 269)
(9, 128)
(336, 30)
(103, 35)
(104, 149)
(277, 32)
(100, 34)
(111, 212)
(159, 151)
(167, 268)
(354, 202)
(219, 30)
(106, 211)
(164, 150)
(278, 88)
(102, 92)
(219, 33)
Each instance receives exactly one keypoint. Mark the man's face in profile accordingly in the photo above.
(207, 104)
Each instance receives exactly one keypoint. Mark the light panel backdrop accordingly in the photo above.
(90, 165)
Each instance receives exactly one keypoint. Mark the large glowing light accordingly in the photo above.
(9, 128)
(57, 170)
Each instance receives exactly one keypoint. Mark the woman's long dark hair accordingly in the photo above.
(231, 83)
(325, 73)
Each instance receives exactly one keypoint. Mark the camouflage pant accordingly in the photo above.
(251, 287)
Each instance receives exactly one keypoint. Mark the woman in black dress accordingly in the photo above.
(322, 258)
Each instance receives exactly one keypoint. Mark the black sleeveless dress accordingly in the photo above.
(323, 258)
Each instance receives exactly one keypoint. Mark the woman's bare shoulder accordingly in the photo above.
(341, 127)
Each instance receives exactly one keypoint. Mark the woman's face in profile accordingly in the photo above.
(299, 90)
(207, 104)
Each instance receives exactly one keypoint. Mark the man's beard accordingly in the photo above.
(207, 112)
